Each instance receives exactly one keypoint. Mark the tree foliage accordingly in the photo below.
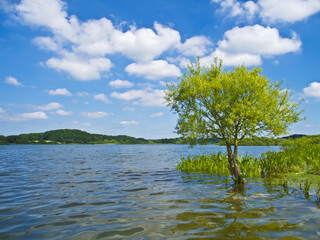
(230, 105)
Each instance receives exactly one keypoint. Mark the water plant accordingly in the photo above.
(297, 159)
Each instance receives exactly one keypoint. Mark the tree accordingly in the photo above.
(230, 105)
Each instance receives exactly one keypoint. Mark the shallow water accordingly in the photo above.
(134, 192)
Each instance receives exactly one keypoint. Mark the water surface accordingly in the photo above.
(134, 192)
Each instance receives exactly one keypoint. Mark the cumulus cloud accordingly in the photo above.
(154, 70)
(158, 114)
(101, 97)
(258, 40)
(120, 84)
(64, 113)
(34, 115)
(60, 91)
(129, 123)
(288, 10)
(95, 114)
(12, 81)
(232, 59)
(46, 43)
(144, 44)
(49, 106)
(271, 11)
(195, 46)
(249, 44)
(82, 46)
(183, 62)
(235, 8)
(2, 110)
(142, 97)
(80, 68)
(313, 90)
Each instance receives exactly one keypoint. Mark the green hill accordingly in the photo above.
(74, 136)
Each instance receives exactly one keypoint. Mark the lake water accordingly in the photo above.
(134, 192)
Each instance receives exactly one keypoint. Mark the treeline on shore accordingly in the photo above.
(75, 136)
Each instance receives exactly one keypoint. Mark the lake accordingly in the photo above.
(134, 192)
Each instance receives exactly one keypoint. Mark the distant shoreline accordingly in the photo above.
(75, 137)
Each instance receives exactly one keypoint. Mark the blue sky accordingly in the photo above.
(101, 65)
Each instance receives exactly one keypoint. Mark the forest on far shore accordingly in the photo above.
(75, 136)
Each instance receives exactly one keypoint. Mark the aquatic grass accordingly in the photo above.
(218, 164)
(300, 156)
(213, 163)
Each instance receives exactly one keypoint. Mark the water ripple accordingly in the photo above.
(134, 192)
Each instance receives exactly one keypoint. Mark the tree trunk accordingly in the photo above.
(233, 165)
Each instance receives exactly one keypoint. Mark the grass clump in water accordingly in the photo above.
(218, 163)
(214, 163)
(300, 156)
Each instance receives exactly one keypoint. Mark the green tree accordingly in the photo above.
(3, 140)
(230, 105)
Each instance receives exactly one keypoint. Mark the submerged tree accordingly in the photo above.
(230, 105)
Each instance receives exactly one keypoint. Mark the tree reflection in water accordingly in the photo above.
(264, 209)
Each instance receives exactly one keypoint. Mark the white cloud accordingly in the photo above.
(49, 106)
(195, 46)
(101, 97)
(271, 11)
(162, 83)
(82, 46)
(142, 97)
(128, 109)
(258, 40)
(50, 14)
(95, 114)
(99, 37)
(120, 84)
(12, 81)
(2, 110)
(83, 94)
(64, 113)
(235, 8)
(129, 95)
(146, 86)
(129, 123)
(60, 91)
(34, 115)
(158, 114)
(154, 70)
(232, 59)
(46, 43)
(82, 124)
(182, 61)
(144, 44)
(249, 44)
(288, 10)
(313, 90)
(80, 68)
(250, 9)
